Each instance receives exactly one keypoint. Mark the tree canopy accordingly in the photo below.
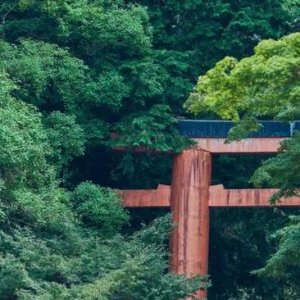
(264, 85)
(72, 72)
(63, 239)
(60, 244)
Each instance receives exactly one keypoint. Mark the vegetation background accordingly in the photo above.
(71, 73)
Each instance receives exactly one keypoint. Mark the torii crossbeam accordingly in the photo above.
(190, 196)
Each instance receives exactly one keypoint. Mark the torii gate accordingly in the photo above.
(190, 196)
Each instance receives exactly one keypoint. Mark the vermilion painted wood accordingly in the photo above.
(189, 205)
(147, 198)
(253, 145)
(219, 197)
(218, 146)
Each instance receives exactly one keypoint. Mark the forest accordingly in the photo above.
(74, 71)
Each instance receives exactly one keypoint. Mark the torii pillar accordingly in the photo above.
(190, 208)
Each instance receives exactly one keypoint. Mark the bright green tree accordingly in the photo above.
(263, 85)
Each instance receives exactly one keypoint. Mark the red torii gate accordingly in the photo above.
(190, 196)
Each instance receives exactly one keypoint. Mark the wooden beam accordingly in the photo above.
(218, 146)
(247, 146)
(220, 197)
(147, 198)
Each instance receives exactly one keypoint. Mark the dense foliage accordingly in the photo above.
(67, 244)
(72, 72)
(263, 85)
(57, 244)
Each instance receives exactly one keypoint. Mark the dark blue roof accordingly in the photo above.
(219, 129)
